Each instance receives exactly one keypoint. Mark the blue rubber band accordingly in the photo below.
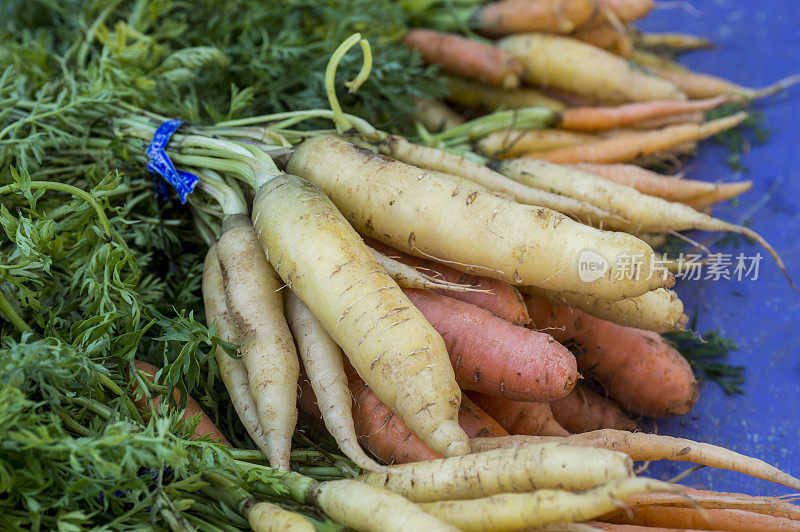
(159, 163)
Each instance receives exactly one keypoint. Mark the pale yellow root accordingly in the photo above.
(512, 511)
(474, 94)
(659, 310)
(322, 360)
(473, 232)
(268, 517)
(512, 142)
(232, 370)
(570, 65)
(440, 162)
(388, 341)
(407, 277)
(435, 116)
(679, 42)
(519, 469)
(651, 447)
(367, 508)
(256, 305)
(636, 212)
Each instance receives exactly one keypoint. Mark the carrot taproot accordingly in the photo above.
(639, 369)
(628, 10)
(322, 360)
(584, 410)
(231, 369)
(267, 517)
(697, 117)
(607, 36)
(659, 310)
(493, 356)
(624, 147)
(605, 30)
(651, 447)
(445, 165)
(473, 94)
(706, 519)
(569, 64)
(252, 289)
(367, 508)
(386, 339)
(380, 431)
(407, 277)
(605, 118)
(506, 17)
(205, 426)
(385, 435)
(697, 85)
(473, 232)
(466, 57)
(518, 417)
(512, 511)
(476, 422)
(634, 211)
(696, 194)
(670, 41)
(514, 142)
(519, 469)
(615, 527)
(498, 297)
(695, 498)
(435, 116)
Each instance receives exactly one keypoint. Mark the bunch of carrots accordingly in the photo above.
(423, 302)
(430, 311)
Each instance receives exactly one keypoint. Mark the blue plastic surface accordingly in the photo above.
(757, 44)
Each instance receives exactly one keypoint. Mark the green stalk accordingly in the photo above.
(63, 187)
(7, 311)
(112, 386)
(528, 118)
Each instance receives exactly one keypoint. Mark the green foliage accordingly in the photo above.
(738, 140)
(706, 354)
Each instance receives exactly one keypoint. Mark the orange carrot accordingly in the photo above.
(205, 428)
(518, 16)
(639, 369)
(604, 118)
(380, 431)
(386, 436)
(683, 518)
(628, 10)
(476, 422)
(513, 142)
(495, 357)
(517, 417)
(605, 35)
(614, 527)
(466, 57)
(698, 194)
(584, 410)
(620, 148)
(773, 506)
(498, 297)
(697, 117)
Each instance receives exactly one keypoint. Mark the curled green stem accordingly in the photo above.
(339, 118)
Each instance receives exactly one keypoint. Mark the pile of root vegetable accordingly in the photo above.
(233, 294)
